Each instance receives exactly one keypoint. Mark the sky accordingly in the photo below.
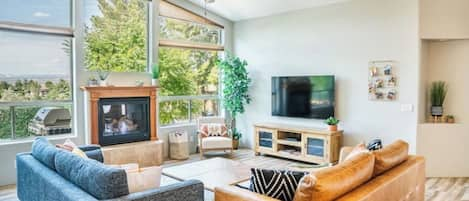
(27, 54)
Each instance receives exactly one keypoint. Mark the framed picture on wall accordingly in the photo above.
(382, 81)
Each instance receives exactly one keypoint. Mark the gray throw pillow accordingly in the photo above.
(92, 176)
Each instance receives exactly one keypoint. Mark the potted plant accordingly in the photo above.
(332, 122)
(155, 74)
(92, 81)
(236, 136)
(437, 97)
(102, 78)
(450, 119)
(235, 89)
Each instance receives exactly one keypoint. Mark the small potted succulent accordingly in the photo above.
(437, 97)
(332, 122)
(450, 119)
(236, 136)
(102, 78)
(155, 74)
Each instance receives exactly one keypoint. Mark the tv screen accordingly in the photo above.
(303, 96)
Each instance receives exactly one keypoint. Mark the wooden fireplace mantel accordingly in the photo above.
(98, 92)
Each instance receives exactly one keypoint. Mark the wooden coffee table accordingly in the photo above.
(212, 172)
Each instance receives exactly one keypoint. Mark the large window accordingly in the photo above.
(189, 78)
(116, 35)
(36, 40)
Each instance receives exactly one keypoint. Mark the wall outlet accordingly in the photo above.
(14, 163)
(407, 108)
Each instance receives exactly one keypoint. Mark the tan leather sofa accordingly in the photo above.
(404, 181)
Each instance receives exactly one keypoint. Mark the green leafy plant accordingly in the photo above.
(103, 75)
(155, 71)
(236, 134)
(438, 93)
(236, 85)
(331, 121)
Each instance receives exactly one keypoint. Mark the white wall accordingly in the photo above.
(339, 40)
(444, 19)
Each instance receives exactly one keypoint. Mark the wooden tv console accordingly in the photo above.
(305, 144)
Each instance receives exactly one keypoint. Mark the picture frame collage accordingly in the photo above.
(382, 81)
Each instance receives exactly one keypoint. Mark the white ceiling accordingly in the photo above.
(237, 10)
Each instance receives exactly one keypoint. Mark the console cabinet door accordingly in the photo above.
(265, 140)
(315, 147)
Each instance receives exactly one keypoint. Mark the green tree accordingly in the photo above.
(116, 39)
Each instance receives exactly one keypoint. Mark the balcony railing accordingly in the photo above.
(11, 109)
(190, 107)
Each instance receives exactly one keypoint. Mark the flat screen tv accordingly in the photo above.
(303, 96)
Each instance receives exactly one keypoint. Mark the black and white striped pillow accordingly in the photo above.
(279, 184)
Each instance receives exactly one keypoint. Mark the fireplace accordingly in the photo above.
(121, 114)
(123, 120)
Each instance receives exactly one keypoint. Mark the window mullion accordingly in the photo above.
(13, 122)
(38, 29)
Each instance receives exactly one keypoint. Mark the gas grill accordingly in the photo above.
(51, 121)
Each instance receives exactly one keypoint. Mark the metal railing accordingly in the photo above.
(14, 105)
(189, 100)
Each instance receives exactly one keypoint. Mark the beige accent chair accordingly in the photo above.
(213, 143)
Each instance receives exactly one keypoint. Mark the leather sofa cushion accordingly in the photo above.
(45, 152)
(331, 183)
(92, 176)
(390, 156)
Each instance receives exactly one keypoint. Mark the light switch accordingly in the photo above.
(407, 108)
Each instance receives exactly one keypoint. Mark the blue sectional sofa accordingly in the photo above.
(48, 173)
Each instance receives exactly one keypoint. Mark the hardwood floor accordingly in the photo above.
(437, 189)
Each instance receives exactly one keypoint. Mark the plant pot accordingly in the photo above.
(332, 127)
(92, 82)
(235, 144)
(102, 83)
(437, 111)
(155, 82)
(450, 121)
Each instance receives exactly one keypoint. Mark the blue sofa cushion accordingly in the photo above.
(45, 152)
(92, 176)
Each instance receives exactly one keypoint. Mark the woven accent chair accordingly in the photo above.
(212, 143)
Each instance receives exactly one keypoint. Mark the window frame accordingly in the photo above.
(69, 32)
(220, 48)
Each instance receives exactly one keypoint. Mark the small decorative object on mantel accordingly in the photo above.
(382, 81)
(332, 122)
(139, 83)
(438, 92)
(102, 78)
(155, 74)
(92, 81)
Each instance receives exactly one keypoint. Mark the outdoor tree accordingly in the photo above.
(116, 39)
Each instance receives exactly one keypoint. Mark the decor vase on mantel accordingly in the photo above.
(103, 78)
(155, 82)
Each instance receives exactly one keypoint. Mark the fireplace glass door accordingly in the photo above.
(123, 120)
